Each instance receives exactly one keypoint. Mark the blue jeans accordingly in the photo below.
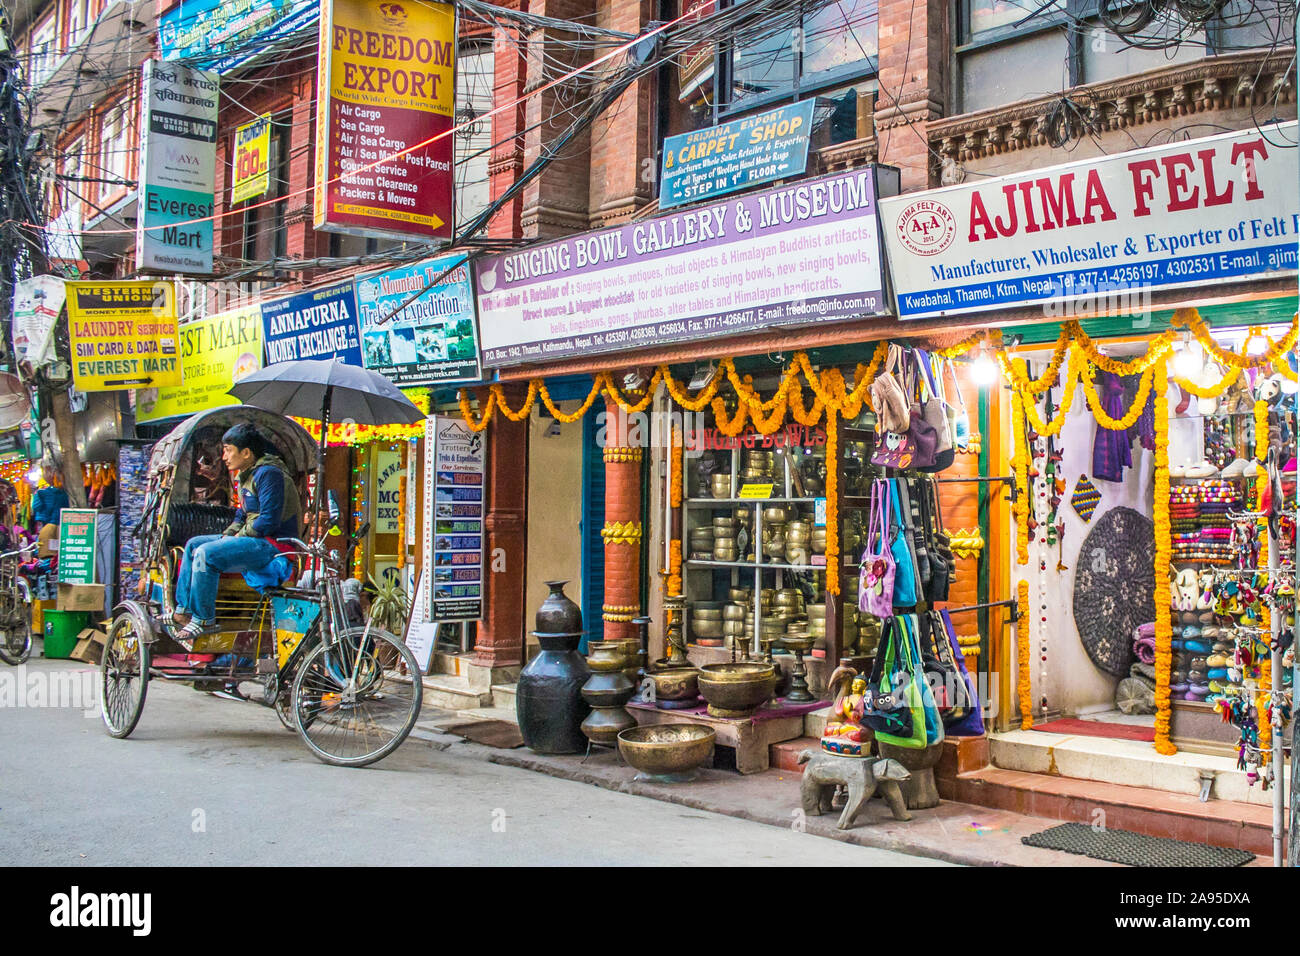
(206, 558)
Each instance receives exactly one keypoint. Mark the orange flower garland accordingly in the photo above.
(1020, 470)
(1024, 688)
(1160, 518)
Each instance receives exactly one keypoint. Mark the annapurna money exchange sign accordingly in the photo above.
(1191, 213)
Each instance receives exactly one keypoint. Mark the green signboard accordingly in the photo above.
(77, 545)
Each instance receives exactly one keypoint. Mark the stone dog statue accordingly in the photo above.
(862, 777)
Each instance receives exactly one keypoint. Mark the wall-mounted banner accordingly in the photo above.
(387, 86)
(37, 304)
(457, 566)
(1105, 232)
(804, 254)
(123, 335)
(225, 34)
(216, 352)
(177, 170)
(432, 339)
(318, 324)
(713, 162)
(251, 166)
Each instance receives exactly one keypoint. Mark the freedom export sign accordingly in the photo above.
(1191, 213)
(803, 254)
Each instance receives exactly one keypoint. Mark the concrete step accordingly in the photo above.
(503, 695)
(1132, 763)
(1117, 807)
(785, 755)
(453, 693)
(490, 713)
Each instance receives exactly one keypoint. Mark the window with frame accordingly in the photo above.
(70, 189)
(115, 149)
(42, 50)
(475, 78)
(78, 22)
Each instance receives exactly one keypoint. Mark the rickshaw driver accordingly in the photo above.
(269, 508)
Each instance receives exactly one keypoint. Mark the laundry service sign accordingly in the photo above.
(1192, 213)
(804, 254)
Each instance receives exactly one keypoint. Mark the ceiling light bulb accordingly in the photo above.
(1189, 362)
(1256, 344)
(983, 371)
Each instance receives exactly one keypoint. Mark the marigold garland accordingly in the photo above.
(832, 506)
(1210, 391)
(675, 472)
(1024, 686)
(1030, 403)
(1163, 547)
(1192, 320)
(1157, 349)
(675, 568)
(1020, 469)
(1135, 410)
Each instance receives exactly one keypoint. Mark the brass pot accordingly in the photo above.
(605, 656)
(774, 547)
(798, 556)
(789, 596)
(736, 612)
(799, 527)
(667, 748)
(676, 683)
(736, 690)
(819, 541)
(774, 515)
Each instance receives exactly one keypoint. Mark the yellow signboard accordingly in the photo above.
(756, 491)
(216, 352)
(252, 163)
(123, 335)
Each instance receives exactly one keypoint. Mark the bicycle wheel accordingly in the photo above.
(347, 706)
(16, 642)
(124, 677)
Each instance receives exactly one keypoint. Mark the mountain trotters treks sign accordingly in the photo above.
(123, 335)
(385, 114)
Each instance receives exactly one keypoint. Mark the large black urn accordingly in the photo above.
(548, 699)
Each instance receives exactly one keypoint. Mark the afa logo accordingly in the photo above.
(926, 227)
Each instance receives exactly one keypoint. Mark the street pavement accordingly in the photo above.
(207, 781)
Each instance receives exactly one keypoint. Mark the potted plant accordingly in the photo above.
(388, 607)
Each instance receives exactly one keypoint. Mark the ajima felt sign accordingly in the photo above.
(123, 335)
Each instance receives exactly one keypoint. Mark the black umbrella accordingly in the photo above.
(326, 390)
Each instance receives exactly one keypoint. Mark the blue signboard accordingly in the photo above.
(708, 163)
(223, 34)
(318, 324)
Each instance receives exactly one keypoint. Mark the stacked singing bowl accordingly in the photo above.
(667, 753)
(607, 690)
(758, 465)
(701, 541)
(736, 690)
(798, 538)
(706, 622)
(724, 539)
(738, 626)
(720, 485)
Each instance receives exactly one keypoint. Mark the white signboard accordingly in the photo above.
(1191, 213)
(420, 635)
(178, 158)
(457, 528)
(37, 303)
(804, 254)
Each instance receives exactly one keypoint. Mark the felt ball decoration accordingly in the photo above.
(1085, 499)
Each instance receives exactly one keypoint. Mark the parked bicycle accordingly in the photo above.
(15, 607)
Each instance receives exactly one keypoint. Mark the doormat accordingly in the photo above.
(1134, 849)
(1098, 728)
(492, 733)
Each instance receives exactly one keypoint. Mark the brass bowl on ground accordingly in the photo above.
(736, 690)
(667, 748)
(677, 683)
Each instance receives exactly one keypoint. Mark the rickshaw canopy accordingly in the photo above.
(290, 439)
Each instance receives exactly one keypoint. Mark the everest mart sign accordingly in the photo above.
(1192, 213)
(804, 254)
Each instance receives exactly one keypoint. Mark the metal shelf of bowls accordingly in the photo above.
(754, 568)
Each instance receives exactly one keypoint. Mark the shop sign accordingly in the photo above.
(77, 545)
(756, 491)
(384, 118)
(455, 574)
(177, 170)
(417, 323)
(216, 352)
(804, 254)
(708, 163)
(123, 335)
(318, 324)
(791, 436)
(251, 173)
(1193, 213)
(37, 304)
(225, 34)
(385, 491)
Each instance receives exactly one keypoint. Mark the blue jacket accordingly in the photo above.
(269, 505)
(46, 504)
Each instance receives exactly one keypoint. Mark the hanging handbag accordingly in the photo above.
(897, 685)
(888, 398)
(915, 526)
(951, 695)
(960, 418)
(943, 564)
(935, 416)
(885, 709)
(972, 725)
(929, 709)
(900, 546)
(876, 575)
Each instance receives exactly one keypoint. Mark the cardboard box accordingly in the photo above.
(81, 597)
(90, 645)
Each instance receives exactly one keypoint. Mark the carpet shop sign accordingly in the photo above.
(1193, 213)
(805, 254)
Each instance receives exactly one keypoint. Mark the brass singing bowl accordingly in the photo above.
(707, 629)
(801, 642)
(741, 596)
(678, 683)
(667, 748)
(774, 515)
(737, 687)
(736, 612)
(733, 628)
(706, 614)
(726, 554)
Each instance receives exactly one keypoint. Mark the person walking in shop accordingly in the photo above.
(269, 509)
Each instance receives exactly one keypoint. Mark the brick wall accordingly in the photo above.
(914, 88)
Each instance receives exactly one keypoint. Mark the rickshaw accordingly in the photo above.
(351, 690)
